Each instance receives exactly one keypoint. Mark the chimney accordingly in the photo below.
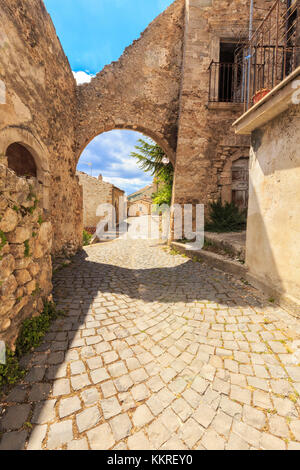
(100, 178)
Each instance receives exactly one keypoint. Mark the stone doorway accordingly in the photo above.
(21, 160)
(240, 182)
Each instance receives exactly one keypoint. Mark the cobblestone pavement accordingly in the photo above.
(157, 352)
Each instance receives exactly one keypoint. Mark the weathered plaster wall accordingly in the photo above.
(25, 245)
(40, 108)
(273, 236)
(141, 90)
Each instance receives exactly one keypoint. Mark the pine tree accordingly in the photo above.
(150, 159)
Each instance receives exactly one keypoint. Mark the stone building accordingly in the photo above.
(273, 234)
(160, 86)
(95, 192)
(139, 207)
(181, 84)
(145, 192)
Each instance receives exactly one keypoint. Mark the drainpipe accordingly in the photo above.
(250, 51)
(298, 34)
(251, 19)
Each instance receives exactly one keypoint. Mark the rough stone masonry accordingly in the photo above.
(25, 245)
(159, 86)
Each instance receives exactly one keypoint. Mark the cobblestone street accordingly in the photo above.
(157, 352)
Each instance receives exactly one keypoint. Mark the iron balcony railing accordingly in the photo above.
(273, 52)
(225, 81)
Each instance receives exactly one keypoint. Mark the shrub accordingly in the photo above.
(226, 218)
(86, 238)
(33, 330)
(11, 372)
(3, 240)
(31, 335)
(26, 249)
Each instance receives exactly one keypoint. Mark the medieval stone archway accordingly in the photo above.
(97, 191)
(161, 141)
(140, 92)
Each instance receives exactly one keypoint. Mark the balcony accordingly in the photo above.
(263, 62)
(225, 83)
(273, 52)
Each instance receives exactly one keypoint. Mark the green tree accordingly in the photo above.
(150, 159)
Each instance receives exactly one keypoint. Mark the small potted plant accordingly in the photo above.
(260, 94)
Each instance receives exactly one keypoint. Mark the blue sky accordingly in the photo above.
(109, 154)
(94, 33)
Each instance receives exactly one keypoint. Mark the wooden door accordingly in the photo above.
(240, 182)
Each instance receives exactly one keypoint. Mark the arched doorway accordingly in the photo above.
(27, 157)
(21, 161)
(108, 172)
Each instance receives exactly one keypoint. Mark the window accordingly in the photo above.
(21, 161)
(226, 75)
(230, 75)
(291, 39)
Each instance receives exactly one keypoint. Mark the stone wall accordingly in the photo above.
(159, 86)
(96, 192)
(206, 143)
(25, 245)
(39, 111)
(141, 90)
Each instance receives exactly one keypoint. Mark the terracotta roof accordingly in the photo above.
(140, 191)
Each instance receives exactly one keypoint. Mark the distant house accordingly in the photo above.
(95, 192)
(139, 207)
(139, 203)
(144, 193)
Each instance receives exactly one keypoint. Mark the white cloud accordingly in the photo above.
(82, 77)
(109, 154)
(120, 182)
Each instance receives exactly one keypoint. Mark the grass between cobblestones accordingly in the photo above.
(30, 337)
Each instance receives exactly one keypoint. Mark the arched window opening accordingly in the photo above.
(21, 161)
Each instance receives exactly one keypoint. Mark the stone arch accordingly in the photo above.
(163, 143)
(141, 91)
(17, 135)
